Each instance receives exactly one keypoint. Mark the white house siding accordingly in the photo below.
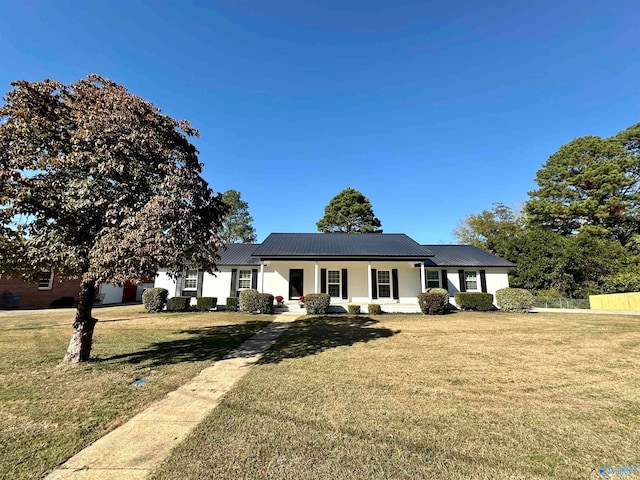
(497, 278)
(165, 281)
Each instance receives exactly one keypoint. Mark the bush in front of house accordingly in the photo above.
(434, 301)
(179, 304)
(353, 309)
(374, 309)
(514, 300)
(480, 302)
(154, 299)
(232, 304)
(250, 300)
(317, 303)
(266, 303)
(206, 303)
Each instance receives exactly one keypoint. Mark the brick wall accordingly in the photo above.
(32, 297)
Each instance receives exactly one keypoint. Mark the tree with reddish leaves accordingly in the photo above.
(96, 184)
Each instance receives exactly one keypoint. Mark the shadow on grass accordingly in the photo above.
(207, 343)
(309, 336)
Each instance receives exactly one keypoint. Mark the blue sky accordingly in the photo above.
(433, 110)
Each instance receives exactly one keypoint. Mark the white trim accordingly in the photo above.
(477, 280)
(339, 283)
(389, 284)
(437, 280)
(316, 274)
(238, 287)
(423, 280)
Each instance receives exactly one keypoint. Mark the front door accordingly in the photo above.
(296, 284)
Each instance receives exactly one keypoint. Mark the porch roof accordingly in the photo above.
(341, 245)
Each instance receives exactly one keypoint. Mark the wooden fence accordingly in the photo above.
(615, 301)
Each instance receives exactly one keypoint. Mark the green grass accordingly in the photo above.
(50, 411)
(468, 395)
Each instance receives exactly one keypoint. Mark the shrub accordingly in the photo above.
(206, 303)
(232, 304)
(266, 303)
(317, 303)
(374, 309)
(514, 299)
(354, 309)
(63, 302)
(250, 300)
(482, 302)
(434, 301)
(179, 304)
(154, 299)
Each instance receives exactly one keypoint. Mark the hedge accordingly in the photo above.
(179, 304)
(514, 299)
(232, 304)
(206, 303)
(481, 302)
(250, 300)
(374, 309)
(154, 299)
(354, 309)
(266, 303)
(434, 301)
(317, 303)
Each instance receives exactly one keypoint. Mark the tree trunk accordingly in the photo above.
(82, 336)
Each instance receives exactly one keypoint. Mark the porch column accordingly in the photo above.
(369, 281)
(315, 277)
(422, 274)
(261, 277)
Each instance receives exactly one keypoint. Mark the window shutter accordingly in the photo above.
(443, 279)
(323, 280)
(199, 286)
(254, 278)
(345, 292)
(179, 282)
(374, 283)
(394, 282)
(483, 281)
(463, 285)
(234, 281)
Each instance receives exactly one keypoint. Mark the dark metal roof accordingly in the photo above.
(349, 245)
(463, 256)
(238, 254)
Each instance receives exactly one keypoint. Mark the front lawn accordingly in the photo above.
(50, 411)
(468, 395)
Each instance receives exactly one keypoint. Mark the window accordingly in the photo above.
(384, 284)
(433, 279)
(471, 280)
(333, 283)
(46, 281)
(244, 279)
(191, 280)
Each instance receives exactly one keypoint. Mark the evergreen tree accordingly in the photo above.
(349, 212)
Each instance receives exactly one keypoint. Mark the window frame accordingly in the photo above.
(436, 280)
(244, 278)
(389, 283)
(476, 280)
(49, 285)
(190, 279)
(334, 284)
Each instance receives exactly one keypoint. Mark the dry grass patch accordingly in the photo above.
(468, 395)
(49, 411)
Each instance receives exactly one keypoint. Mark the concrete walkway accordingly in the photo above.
(134, 449)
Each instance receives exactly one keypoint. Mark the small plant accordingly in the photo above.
(514, 300)
(250, 300)
(206, 303)
(301, 301)
(233, 303)
(280, 300)
(481, 302)
(266, 303)
(374, 309)
(179, 304)
(434, 301)
(317, 303)
(353, 309)
(154, 299)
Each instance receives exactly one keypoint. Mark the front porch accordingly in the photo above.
(342, 307)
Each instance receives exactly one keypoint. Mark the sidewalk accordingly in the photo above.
(134, 449)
